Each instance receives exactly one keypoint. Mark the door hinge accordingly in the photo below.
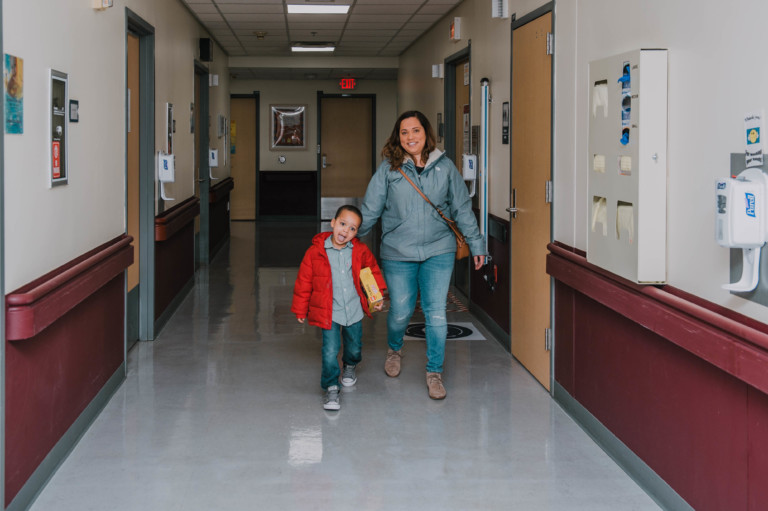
(548, 194)
(318, 148)
(548, 339)
(550, 43)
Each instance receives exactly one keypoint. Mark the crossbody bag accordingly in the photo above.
(462, 248)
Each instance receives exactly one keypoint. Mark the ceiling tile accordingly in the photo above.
(426, 18)
(209, 17)
(376, 18)
(203, 8)
(252, 8)
(256, 18)
(380, 8)
(375, 26)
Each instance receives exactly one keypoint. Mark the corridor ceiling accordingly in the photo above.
(376, 30)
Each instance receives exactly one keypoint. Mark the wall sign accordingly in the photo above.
(58, 128)
(348, 83)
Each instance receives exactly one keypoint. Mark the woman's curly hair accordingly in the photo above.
(394, 153)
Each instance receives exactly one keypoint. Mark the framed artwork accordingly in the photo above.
(288, 127)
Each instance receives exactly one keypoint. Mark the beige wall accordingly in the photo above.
(490, 58)
(46, 227)
(715, 78)
(301, 92)
(713, 83)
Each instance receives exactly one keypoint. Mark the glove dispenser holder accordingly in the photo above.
(627, 165)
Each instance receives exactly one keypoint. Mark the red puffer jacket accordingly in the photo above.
(313, 291)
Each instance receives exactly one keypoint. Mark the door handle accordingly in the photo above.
(325, 162)
(513, 210)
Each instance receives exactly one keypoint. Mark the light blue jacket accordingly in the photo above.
(411, 229)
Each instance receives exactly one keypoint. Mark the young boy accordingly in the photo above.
(328, 293)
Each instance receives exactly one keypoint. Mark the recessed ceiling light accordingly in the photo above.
(313, 48)
(317, 9)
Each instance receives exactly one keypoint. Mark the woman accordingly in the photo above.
(417, 247)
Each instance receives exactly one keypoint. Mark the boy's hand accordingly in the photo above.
(378, 306)
(301, 320)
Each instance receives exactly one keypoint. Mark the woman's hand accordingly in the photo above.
(479, 261)
(301, 320)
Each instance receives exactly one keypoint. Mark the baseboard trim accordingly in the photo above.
(47, 468)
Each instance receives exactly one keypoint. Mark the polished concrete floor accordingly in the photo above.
(223, 411)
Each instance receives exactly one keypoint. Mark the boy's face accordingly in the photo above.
(344, 228)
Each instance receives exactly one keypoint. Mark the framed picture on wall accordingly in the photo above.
(288, 127)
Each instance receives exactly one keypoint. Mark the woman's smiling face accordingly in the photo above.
(413, 138)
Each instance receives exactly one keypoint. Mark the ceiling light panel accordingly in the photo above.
(317, 9)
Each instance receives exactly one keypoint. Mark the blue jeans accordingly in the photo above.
(353, 347)
(431, 279)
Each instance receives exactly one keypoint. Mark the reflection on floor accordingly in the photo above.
(224, 411)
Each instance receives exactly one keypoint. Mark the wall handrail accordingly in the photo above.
(170, 222)
(734, 343)
(36, 305)
(220, 190)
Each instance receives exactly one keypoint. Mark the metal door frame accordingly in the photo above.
(146, 34)
(517, 23)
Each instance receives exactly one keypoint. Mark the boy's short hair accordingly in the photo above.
(351, 208)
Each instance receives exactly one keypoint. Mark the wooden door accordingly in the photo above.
(242, 200)
(530, 227)
(346, 127)
(132, 203)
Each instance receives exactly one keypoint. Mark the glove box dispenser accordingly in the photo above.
(627, 165)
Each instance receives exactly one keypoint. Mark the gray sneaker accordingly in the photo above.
(331, 401)
(348, 377)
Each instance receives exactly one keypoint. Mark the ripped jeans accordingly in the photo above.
(430, 278)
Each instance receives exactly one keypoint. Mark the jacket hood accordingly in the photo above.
(433, 157)
(319, 238)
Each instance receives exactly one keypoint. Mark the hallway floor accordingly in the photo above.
(223, 411)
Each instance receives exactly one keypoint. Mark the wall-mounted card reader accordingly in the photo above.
(469, 171)
(740, 222)
(166, 172)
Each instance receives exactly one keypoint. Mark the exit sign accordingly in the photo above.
(348, 83)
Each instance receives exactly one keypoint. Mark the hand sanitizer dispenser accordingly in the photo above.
(469, 171)
(740, 222)
(166, 172)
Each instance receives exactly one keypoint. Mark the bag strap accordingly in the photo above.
(448, 221)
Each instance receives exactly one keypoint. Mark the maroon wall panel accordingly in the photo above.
(218, 214)
(174, 266)
(564, 323)
(685, 418)
(680, 381)
(758, 449)
(495, 303)
(53, 376)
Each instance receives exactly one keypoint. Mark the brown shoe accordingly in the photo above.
(435, 385)
(392, 364)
